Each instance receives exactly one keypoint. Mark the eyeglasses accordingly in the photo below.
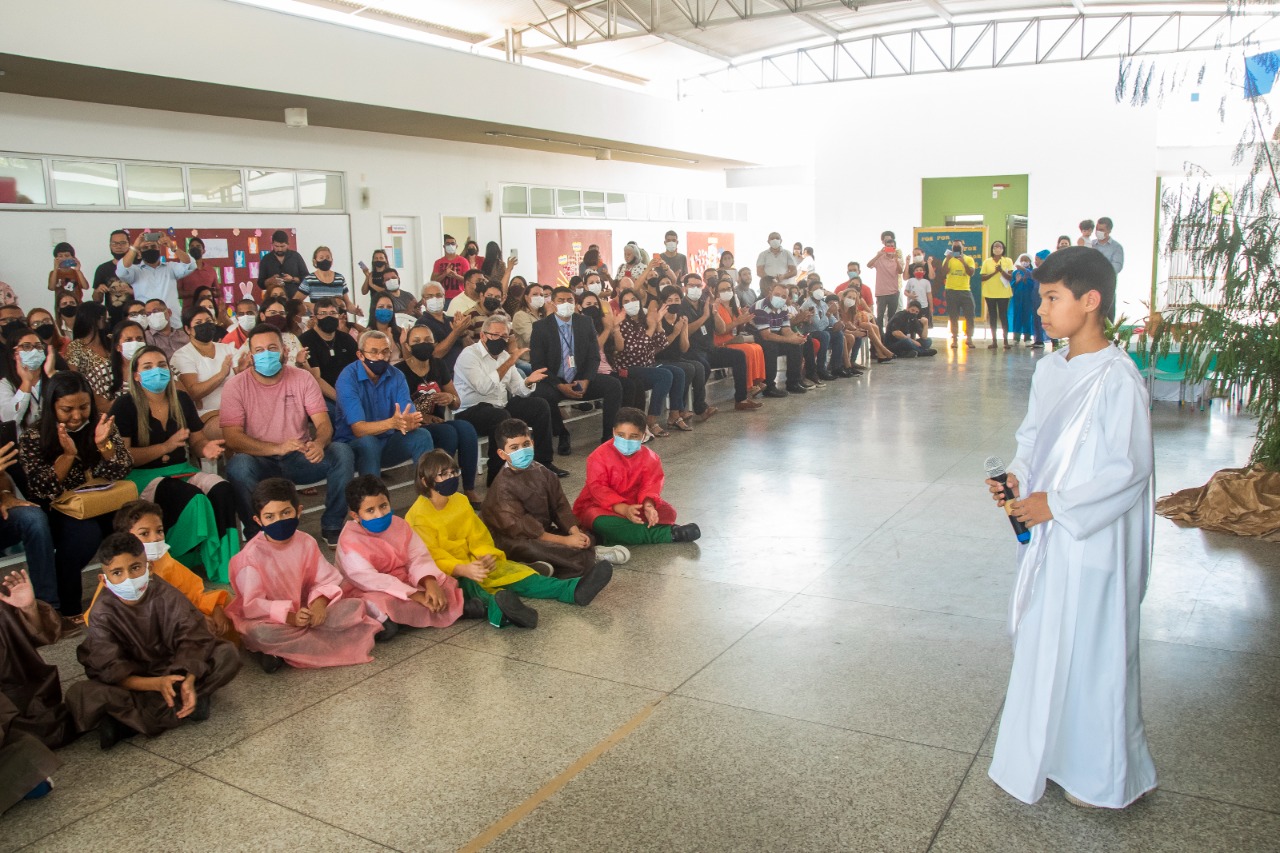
(377, 353)
(495, 337)
(30, 347)
(445, 475)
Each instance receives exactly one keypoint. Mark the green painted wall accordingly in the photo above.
(943, 197)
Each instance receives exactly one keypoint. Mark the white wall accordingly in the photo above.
(404, 176)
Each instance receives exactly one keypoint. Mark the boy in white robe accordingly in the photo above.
(1082, 482)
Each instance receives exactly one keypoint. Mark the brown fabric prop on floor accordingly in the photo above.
(1243, 501)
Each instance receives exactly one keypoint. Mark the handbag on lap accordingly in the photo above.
(96, 497)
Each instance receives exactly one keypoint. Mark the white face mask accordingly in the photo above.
(435, 304)
(631, 308)
(727, 296)
(671, 245)
(849, 303)
(246, 322)
(594, 287)
(564, 309)
(775, 244)
(129, 349)
(157, 321)
(536, 302)
(138, 318)
(819, 293)
(918, 256)
(450, 249)
(694, 293)
(392, 284)
(130, 589)
(155, 550)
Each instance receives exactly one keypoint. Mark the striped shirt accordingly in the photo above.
(314, 288)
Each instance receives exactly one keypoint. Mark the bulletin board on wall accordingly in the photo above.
(234, 254)
(703, 249)
(936, 242)
(560, 252)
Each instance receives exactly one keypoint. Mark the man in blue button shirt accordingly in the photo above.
(376, 416)
(155, 277)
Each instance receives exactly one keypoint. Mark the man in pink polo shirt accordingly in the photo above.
(889, 266)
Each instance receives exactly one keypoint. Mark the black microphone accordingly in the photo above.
(995, 471)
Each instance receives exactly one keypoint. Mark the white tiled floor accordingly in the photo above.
(827, 665)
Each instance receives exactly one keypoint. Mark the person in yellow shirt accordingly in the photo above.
(145, 520)
(997, 273)
(958, 270)
(463, 548)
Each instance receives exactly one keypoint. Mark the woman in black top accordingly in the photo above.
(375, 277)
(164, 434)
(431, 389)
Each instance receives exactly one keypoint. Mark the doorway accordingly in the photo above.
(400, 240)
(460, 227)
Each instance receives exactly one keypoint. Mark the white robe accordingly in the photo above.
(1073, 711)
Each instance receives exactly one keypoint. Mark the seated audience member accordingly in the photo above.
(564, 348)
(267, 416)
(68, 307)
(11, 315)
(637, 339)
(384, 321)
(432, 390)
(164, 434)
(816, 326)
(374, 277)
(27, 363)
(289, 605)
(514, 299)
(328, 349)
(89, 352)
(463, 548)
(244, 321)
(380, 555)
(491, 390)
(731, 319)
(323, 280)
(859, 315)
(466, 301)
(145, 520)
(489, 298)
(852, 336)
(774, 334)
(71, 444)
(376, 415)
(25, 523)
(595, 308)
(451, 334)
(208, 299)
(530, 518)
(150, 658)
(67, 277)
(906, 333)
(622, 499)
(744, 291)
(534, 306)
(160, 333)
(281, 314)
(46, 327)
(674, 322)
(33, 719)
(119, 299)
(203, 367)
(698, 307)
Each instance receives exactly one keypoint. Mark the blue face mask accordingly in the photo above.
(282, 530)
(377, 368)
(778, 303)
(384, 315)
(154, 379)
(377, 525)
(520, 459)
(267, 362)
(626, 446)
(33, 359)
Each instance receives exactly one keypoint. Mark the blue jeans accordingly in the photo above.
(902, 346)
(338, 466)
(811, 368)
(662, 381)
(30, 526)
(375, 452)
(458, 437)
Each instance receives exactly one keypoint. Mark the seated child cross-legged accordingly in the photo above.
(150, 659)
(145, 520)
(462, 547)
(622, 499)
(526, 511)
(379, 554)
(289, 605)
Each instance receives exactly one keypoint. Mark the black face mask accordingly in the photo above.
(422, 352)
(278, 321)
(495, 347)
(150, 256)
(206, 333)
(45, 333)
(67, 311)
(594, 312)
(196, 252)
(378, 265)
(118, 255)
(324, 265)
(492, 303)
(328, 325)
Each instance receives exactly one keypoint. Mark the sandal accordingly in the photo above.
(679, 424)
(657, 431)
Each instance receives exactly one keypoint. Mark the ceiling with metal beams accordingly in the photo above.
(689, 47)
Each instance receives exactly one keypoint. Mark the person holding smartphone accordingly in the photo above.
(155, 277)
(889, 266)
(66, 275)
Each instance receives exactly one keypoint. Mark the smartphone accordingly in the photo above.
(515, 254)
(363, 266)
(67, 263)
(171, 232)
(151, 237)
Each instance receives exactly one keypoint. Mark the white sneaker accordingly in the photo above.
(616, 554)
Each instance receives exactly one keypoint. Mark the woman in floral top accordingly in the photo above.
(636, 341)
(89, 353)
(71, 444)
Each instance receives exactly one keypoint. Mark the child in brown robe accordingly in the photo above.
(530, 518)
(149, 657)
(33, 720)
